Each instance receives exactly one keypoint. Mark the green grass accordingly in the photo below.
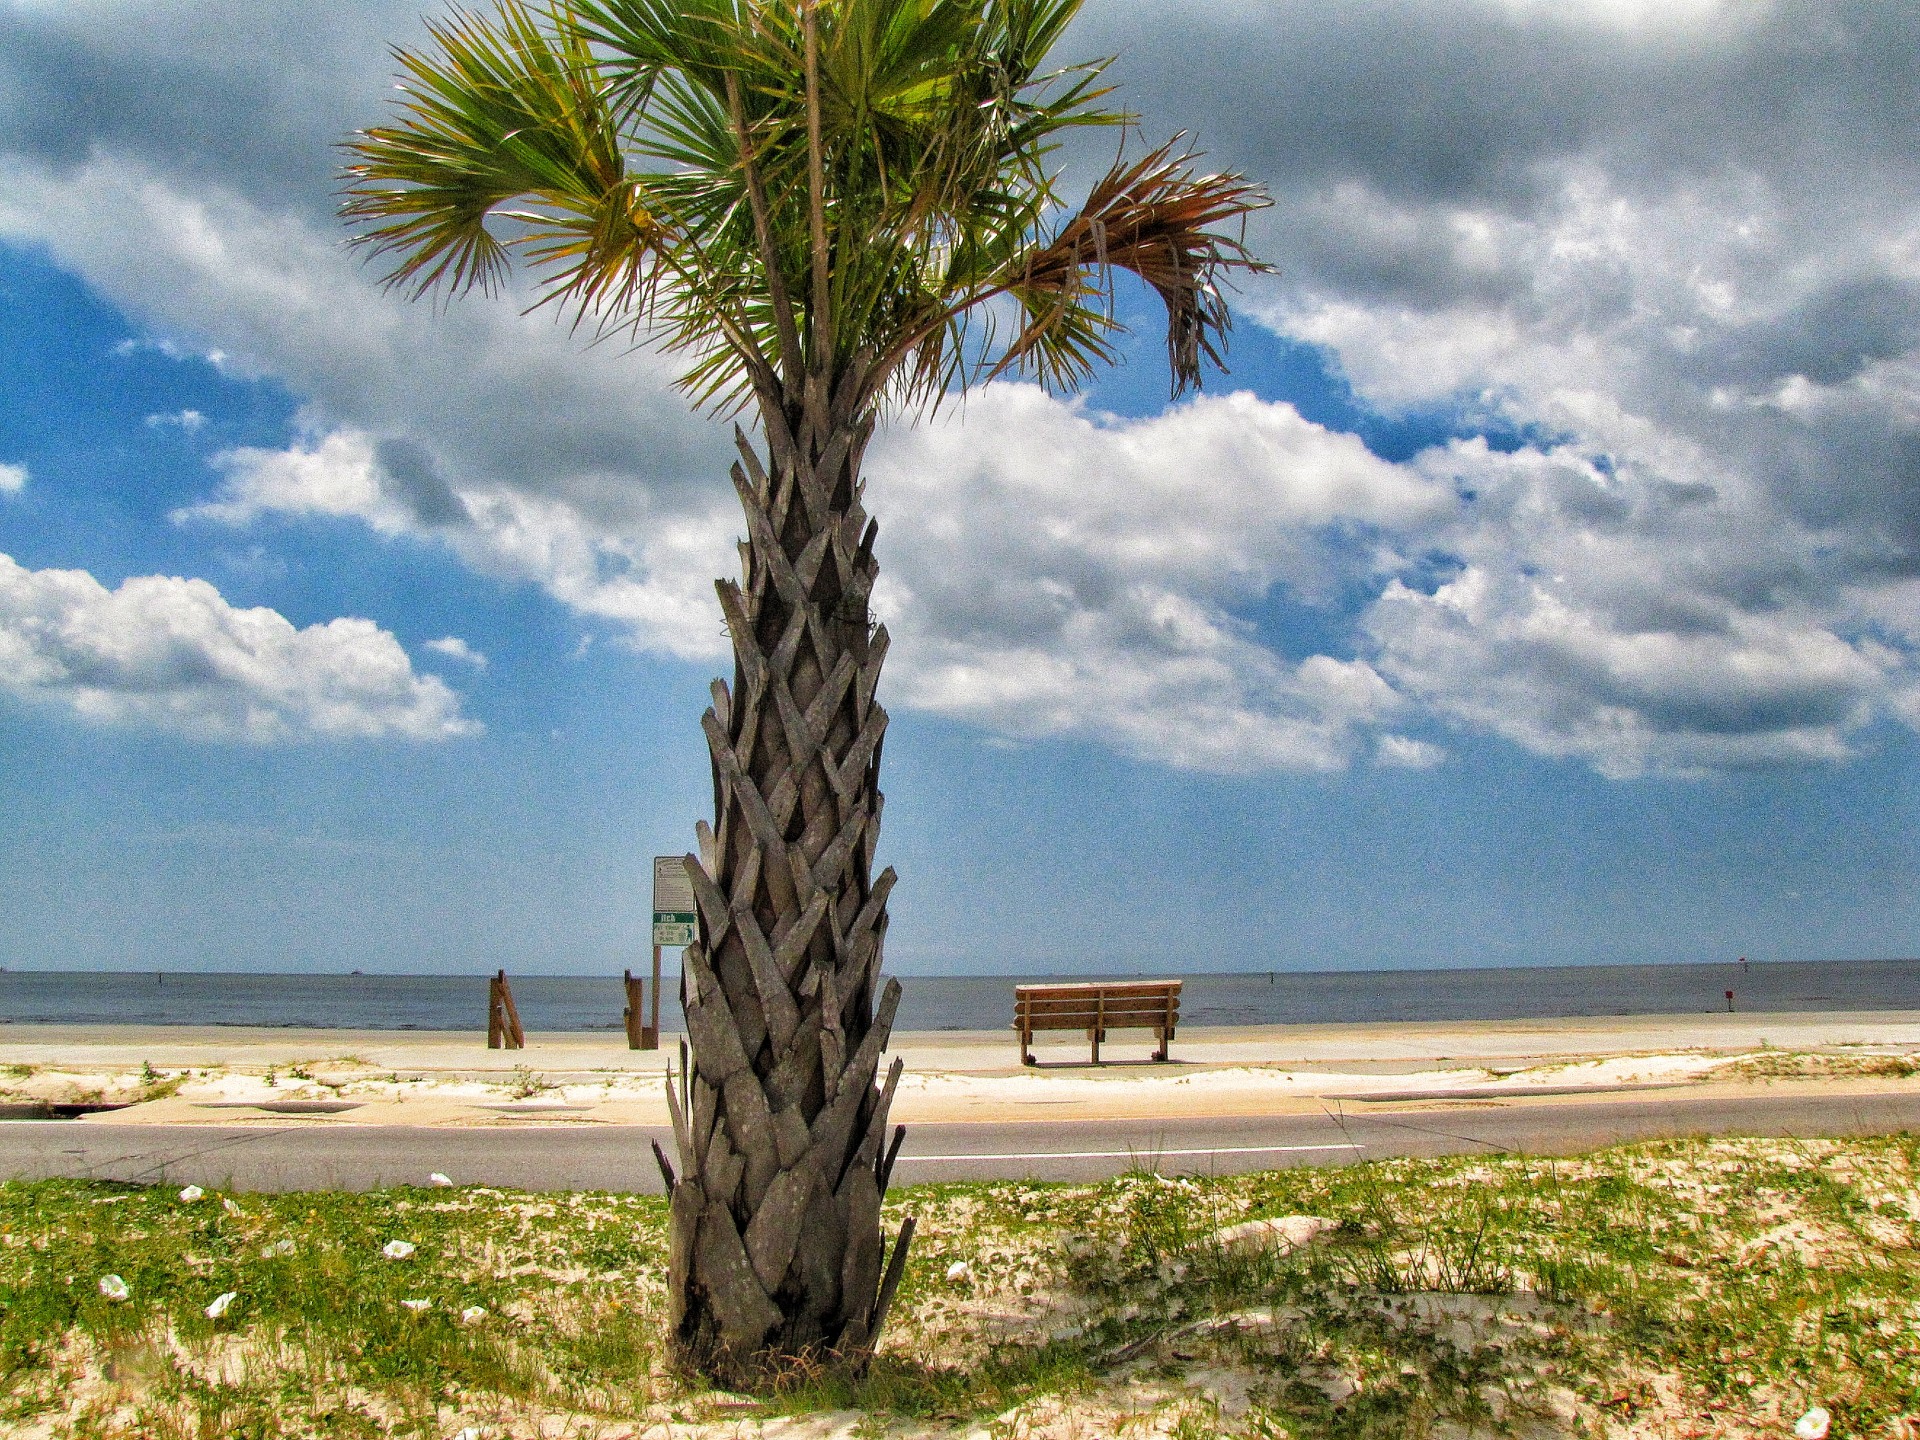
(1683, 1288)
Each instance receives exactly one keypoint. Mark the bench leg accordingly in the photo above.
(1165, 1037)
(1026, 1038)
(1094, 1036)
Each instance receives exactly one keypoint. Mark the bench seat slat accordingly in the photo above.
(1112, 1012)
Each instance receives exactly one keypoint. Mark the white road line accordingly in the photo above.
(1141, 1152)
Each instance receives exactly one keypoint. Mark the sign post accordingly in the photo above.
(674, 923)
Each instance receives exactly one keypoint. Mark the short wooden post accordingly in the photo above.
(650, 1034)
(635, 1013)
(503, 1016)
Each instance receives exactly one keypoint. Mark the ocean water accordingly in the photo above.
(443, 1002)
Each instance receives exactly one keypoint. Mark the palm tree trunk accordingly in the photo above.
(781, 1124)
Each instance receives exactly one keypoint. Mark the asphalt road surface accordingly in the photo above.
(321, 1154)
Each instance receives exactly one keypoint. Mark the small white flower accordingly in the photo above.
(228, 1205)
(222, 1303)
(439, 1181)
(397, 1249)
(191, 1194)
(1812, 1425)
(278, 1248)
(473, 1314)
(418, 1306)
(472, 1432)
(958, 1271)
(113, 1287)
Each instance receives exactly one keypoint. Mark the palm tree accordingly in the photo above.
(833, 209)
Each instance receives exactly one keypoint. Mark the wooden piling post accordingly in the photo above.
(636, 1014)
(650, 1033)
(503, 1016)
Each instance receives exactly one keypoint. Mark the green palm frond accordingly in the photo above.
(504, 113)
(652, 163)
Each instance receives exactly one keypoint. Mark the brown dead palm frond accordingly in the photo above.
(1156, 218)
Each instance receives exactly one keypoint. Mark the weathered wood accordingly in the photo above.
(503, 1018)
(790, 1135)
(715, 915)
(634, 1015)
(720, 1175)
(682, 1135)
(514, 1032)
(785, 1124)
(1096, 1007)
(750, 1127)
(869, 678)
(776, 1000)
(774, 1230)
(705, 1114)
(893, 1154)
(859, 1201)
(896, 1267)
(739, 1302)
(816, 1266)
(666, 1167)
(687, 1203)
(716, 1042)
(790, 947)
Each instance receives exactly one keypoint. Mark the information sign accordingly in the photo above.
(674, 917)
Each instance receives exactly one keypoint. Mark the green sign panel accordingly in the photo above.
(673, 927)
(675, 921)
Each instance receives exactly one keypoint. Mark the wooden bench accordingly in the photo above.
(1097, 1007)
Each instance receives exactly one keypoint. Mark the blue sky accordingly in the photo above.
(1543, 585)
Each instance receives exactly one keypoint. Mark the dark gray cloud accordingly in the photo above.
(413, 477)
(1449, 100)
(248, 95)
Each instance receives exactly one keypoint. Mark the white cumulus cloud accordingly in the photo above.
(1406, 753)
(172, 654)
(13, 477)
(454, 648)
(1055, 572)
(641, 560)
(191, 421)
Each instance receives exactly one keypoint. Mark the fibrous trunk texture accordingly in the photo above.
(780, 1120)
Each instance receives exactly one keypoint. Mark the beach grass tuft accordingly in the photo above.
(1710, 1288)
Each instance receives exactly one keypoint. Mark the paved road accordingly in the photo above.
(322, 1154)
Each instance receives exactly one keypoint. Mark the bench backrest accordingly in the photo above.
(1144, 1003)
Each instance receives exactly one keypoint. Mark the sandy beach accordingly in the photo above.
(223, 1075)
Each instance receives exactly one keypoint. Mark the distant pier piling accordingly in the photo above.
(503, 1016)
(636, 1013)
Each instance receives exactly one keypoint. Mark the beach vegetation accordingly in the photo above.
(831, 211)
(1705, 1288)
(525, 1083)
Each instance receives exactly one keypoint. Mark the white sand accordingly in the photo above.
(224, 1075)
